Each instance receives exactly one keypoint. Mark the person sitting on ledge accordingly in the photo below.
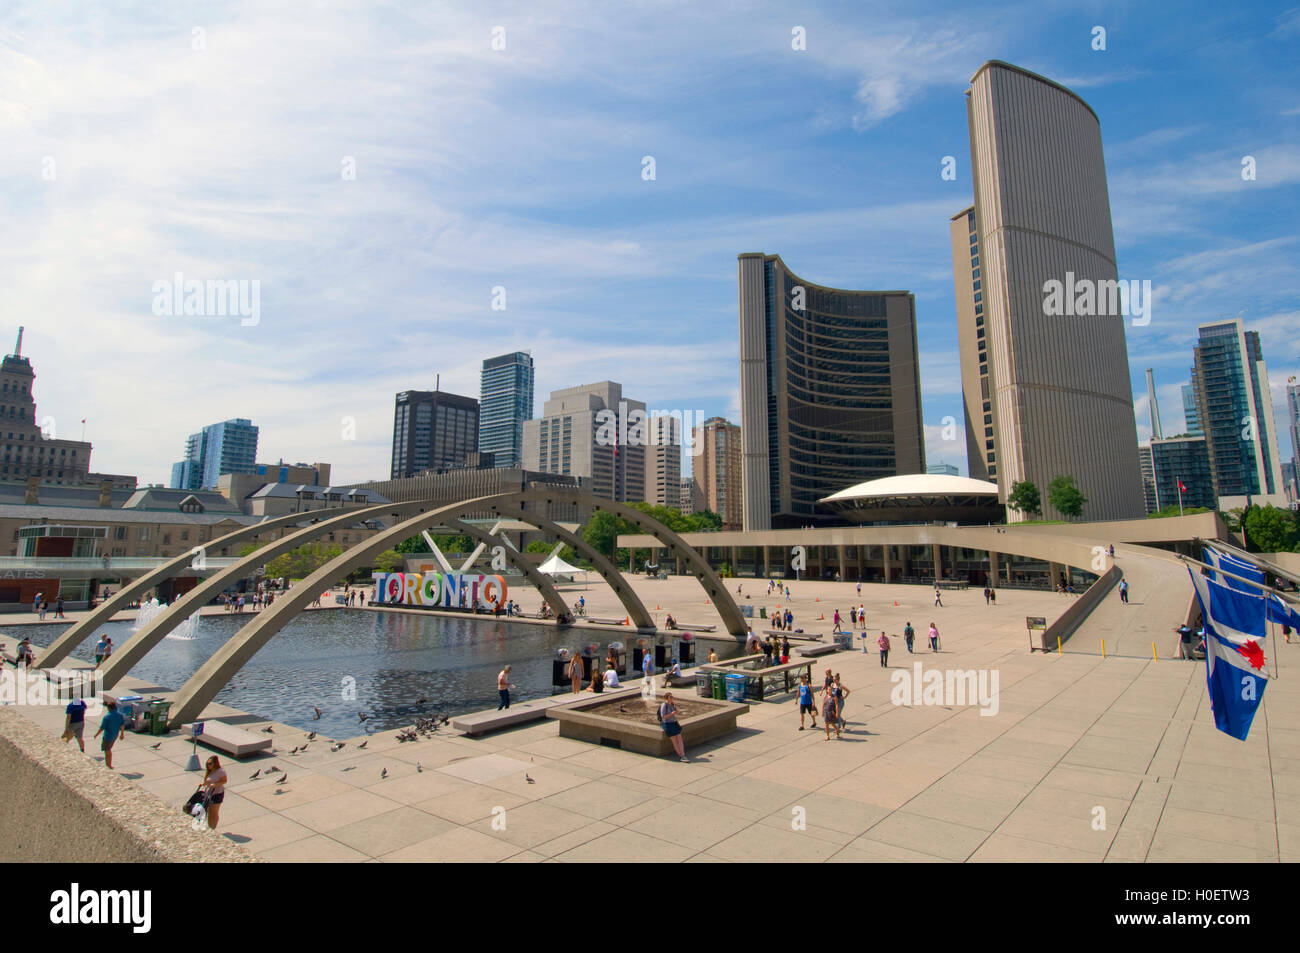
(610, 676)
(597, 681)
(670, 622)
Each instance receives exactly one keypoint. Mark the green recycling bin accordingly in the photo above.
(762, 612)
(159, 712)
(719, 685)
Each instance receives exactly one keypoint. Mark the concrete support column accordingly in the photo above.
(1054, 570)
(906, 553)
(884, 559)
(767, 565)
(677, 568)
(994, 565)
(938, 561)
(733, 557)
(844, 567)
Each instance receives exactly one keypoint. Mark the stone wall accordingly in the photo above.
(57, 805)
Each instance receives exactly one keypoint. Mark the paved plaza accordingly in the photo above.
(1086, 759)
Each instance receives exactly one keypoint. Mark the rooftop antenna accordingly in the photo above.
(437, 380)
(18, 348)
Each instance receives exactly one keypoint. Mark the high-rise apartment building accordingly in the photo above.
(1235, 410)
(505, 402)
(1191, 417)
(1053, 389)
(1181, 468)
(830, 392)
(594, 433)
(663, 462)
(716, 475)
(1147, 469)
(30, 449)
(1293, 425)
(432, 430)
(226, 447)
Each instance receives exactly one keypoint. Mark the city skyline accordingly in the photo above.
(605, 274)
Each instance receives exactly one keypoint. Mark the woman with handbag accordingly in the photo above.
(214, 783)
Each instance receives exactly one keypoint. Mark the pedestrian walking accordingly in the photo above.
(986, 595)
(836, 622)
(830, 710)
(934, 637)
(113, 728)
(36, 603)
(668, 719)
(1123, 591)
(101, 650)
(58, 608)
(806, 702)
(993, 596)
(841, 696)
(785, 649)
(937, 600)
(575, 673)
(853, 617)
(43, 608)
(503, 687)
(883, 644)
(648, 664)
(108, 648)
(909, 634)
(74, 725)
(859, 590)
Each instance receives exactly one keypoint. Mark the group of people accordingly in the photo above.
(23, 654)
(779, 587)
(834, 696)
(41, 605)
(909, 638)
(783, 620)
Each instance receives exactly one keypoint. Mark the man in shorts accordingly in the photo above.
(74, 725)
(806, 702)
(113, 727)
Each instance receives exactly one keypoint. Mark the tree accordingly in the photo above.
(602, 532)
(542, 546)
(1024, 498)
(1271, 530)
(1174, 511)
(390, 560)
(1065, 497)
(303, 561)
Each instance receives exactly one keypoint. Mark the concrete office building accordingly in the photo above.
(28, 452)
(505, 402)
(1235, 411)
(830, 391)
(1054, 389)
(941, 469)
(687, 496)
(226, 447)
(663, 462)
(432, 430)
(594, 433)
(1148, 478)
(716, 475)
(1293, 425)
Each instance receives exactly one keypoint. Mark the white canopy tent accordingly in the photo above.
(555, 566)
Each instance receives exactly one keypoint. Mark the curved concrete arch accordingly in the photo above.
(637, 613)
(63, 646)
(204, 685)
(516, 559)
(138, 645)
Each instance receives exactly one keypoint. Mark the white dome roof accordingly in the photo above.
(916, 484)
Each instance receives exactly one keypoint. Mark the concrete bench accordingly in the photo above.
(794, 636)
(521, 713)
(813, 651)
(602, 621)
(236, 742)
(679, 626)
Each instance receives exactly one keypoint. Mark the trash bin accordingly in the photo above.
(159, 713)
(560, 667)
(735, 687)
(845, 641)
(686, 652)
(637, 653)
(704, 684)
(719, 685)
(747, 611)
(661, 656)
(762, 612)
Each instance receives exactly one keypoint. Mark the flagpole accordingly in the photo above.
(1180, 494)
(1249, 582)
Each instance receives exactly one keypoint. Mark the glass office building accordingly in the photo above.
(505, 402)
(227, 447)
(432, 430)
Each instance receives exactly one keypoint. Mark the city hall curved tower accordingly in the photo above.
(830, 392)
(1046, 394)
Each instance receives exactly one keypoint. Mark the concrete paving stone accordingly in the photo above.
(485, 768)
(327, 813)
(235, 808)
(631, 815)
(384, 833)
(608, 760)
(412, 788)
(884, 783)
(556, 747)
(597, 800)
(1171, 848)
(1259, 836)
(525, 857)
(469, 804)
(761, 844)
(927, 835)
(1238, 800)
(825, 813)
(264, 832)
(1066, 827)
(667, 772)
(1026, 750)
(695, 822)
(1004, 848)
(864, 850)
(1288, 837)
(301, 788)
(458, 845)
(1116, 784)
(1006, 767)
(317, 849)
(625, 846)
(546, 781)
(589, 831)
(974, 812)
(531, 824)
(751, 793)
(1132, 842)
(175, 788)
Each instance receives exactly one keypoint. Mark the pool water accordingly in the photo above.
(353, 660)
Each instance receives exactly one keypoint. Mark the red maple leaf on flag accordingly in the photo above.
(1254, 654)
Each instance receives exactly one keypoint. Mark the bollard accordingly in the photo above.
(1058, 645)
(1154, 656)
(1103, 648)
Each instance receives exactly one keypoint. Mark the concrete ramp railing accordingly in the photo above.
(1069, 621)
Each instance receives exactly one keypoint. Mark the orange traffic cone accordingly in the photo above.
(626, 620)
(822, 617)
(818, 599)
(895, 603)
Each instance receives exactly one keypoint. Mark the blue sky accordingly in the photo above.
(210, 139)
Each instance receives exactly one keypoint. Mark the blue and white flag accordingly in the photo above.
(1234, 653)
(1281, 613)
(1235, 565)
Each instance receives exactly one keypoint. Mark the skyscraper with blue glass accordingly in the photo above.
(227, 447)
(505, 402)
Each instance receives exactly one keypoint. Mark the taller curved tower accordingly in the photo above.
(1051, 391)
(830, 392)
